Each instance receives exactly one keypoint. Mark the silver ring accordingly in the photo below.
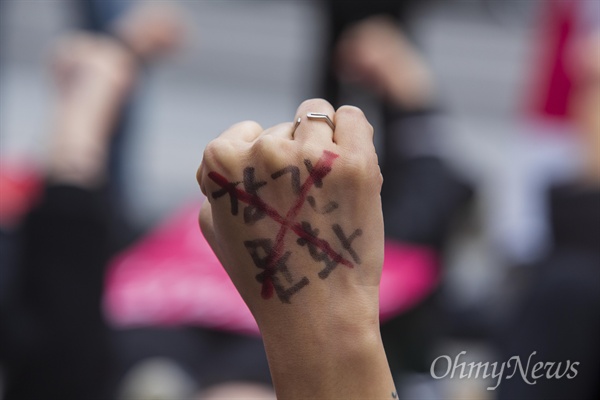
(296, 125)
(322, 117)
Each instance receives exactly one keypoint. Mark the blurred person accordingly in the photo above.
(342, 15)
(311, 279)
(53, 331)
(148, 29)
(63, 349)
(558, 315)
(128, 21)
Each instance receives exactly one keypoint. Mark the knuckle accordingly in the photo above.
(271, 151)
(265, 145)
(247, 126)
(213, 150)
(354, 114)
(220, 154)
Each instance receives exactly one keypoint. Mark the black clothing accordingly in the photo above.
(559, 315)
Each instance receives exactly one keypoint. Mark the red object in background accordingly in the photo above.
(20, 189)
(551, 96)
(172, 277)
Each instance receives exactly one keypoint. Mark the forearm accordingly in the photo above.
(79, 148)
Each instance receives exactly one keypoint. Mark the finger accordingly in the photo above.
(199, 177)
(207, 226)
(284, 130)
(246, 131)
(352, 130)
(314, 130)
(208, 231)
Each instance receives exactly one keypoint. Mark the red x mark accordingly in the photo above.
(321, 169)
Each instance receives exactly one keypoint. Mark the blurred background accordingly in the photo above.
(496, 169)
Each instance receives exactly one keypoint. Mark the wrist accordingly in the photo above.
(314, 335)
(341, 314)
(339, 364)
(321, 347)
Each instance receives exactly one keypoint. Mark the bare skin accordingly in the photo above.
(93, 75)
(151, 29)
(238, 390)
(296, 221)
(585, 102)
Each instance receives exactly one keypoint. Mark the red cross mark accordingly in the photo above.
(288, 222)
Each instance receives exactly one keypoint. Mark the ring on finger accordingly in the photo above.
(321, 117)
(296, 125)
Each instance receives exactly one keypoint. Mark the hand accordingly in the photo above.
(151, 29)
(94, 75)
(296, 220)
